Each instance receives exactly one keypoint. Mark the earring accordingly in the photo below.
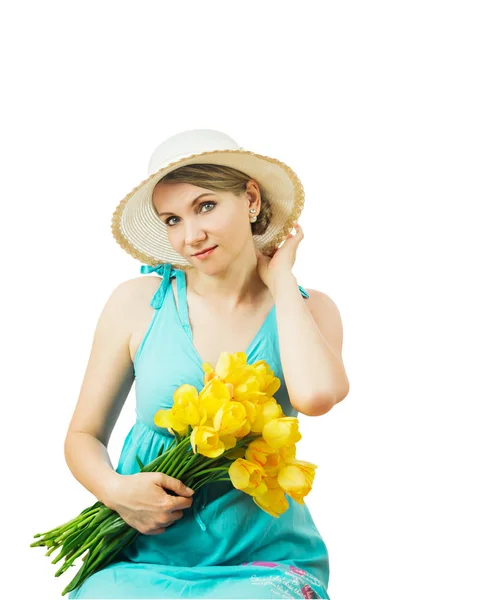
(253, 219)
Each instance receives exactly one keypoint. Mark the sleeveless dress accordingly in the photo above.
(224, 546)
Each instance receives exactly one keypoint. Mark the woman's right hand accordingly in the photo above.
(141, 501)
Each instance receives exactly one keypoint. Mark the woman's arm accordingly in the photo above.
(88, 460)
(310, 340)
(106, 384)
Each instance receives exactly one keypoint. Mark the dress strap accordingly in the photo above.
(182, 302)
(167, 271)
(303, 292)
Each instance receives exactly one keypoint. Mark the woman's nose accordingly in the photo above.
(193, 235)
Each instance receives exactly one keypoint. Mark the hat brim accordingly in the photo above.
(138, 229)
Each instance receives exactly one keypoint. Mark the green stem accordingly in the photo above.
(176, 461)
(211, 470)
(110, 525)
(192, 472)
(73, 543)
(53, 533)
(80, 525)
(52, 537)
(100, 555)
(206, 461)
(200, 483)
(188, 466)
(162, 462)
(157, 463)
(88, 544)
(97, 533)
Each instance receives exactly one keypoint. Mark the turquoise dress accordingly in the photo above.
(224, 546)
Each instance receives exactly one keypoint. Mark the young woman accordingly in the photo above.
(208, 221)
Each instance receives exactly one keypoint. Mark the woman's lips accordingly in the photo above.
(205, 254)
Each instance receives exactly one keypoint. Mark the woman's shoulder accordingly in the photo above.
(139, 289)
(137, 285)
(132, 296)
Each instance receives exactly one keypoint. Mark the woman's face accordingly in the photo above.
(198, 218)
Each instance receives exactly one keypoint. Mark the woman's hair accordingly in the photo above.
(224, 179)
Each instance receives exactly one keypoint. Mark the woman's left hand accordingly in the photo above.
(272, 269)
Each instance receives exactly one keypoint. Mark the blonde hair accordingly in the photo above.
(224, 179)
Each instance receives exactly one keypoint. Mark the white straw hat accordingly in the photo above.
(137, 227)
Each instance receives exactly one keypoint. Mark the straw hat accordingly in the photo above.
(137, 227)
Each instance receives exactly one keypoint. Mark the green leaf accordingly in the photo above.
(139, 462)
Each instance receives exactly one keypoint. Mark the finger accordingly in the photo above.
(175, 485)
(175, 515)
(161, 528)
(181, 503)
(156, 531)
(299, 232)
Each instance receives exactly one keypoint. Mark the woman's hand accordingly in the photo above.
(142, 501)
(271, 270)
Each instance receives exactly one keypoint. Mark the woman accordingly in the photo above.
(204, 192)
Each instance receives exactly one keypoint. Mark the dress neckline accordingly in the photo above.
(183, 316)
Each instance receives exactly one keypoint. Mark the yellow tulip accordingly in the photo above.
(208, 368)
(273, 501)
(233, 369)
(244, 431)
(250, 408)
(282, 432)
(228, 363)
(186, 407)
(296, 479)
(212, 397)
(185, 393)
(258, 398)
(241, 359)
(273, 386)
(258, 451)
(246, 380)
(229, 441)
(230, 417)
(247, 477)
(272, 410)
(166, 418)
(287, 453)
(206, 441)
(272, 482)
(162, 418)
(269, 383)
(266, 412)
(189, 414)
(246, 384)
(209, 373)
(251, 413)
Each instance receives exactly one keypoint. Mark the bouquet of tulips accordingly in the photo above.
(232, 430)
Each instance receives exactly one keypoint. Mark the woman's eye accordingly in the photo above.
(201, 206)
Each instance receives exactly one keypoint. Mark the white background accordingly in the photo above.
(375, 106)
